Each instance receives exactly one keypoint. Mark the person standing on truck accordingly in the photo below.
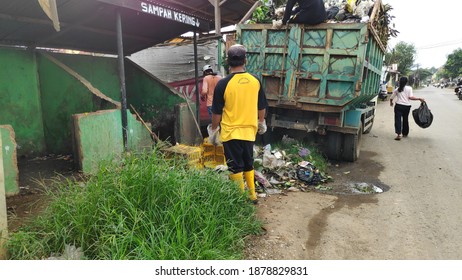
(238, 108)
(208, 87)
(308, 12)
(403, 96)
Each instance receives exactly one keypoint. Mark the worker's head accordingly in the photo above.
(236, 55)
(207, 70)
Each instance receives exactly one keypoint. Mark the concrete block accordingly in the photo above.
(3, 217)
(10, 161)
(185, 127)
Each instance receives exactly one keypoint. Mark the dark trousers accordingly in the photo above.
(239, 155)
(402, 119)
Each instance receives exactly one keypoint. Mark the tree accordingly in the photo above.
(442, 74)
(453, 65)
(404, 55)
(420, 75)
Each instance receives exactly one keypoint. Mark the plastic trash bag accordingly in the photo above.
(423, 117)
(332, 12)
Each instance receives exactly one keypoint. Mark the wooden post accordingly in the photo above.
(3, 218)
(217, 17)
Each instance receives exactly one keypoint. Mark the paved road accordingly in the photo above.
(419, 217)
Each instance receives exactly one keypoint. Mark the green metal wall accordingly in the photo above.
(155, 99)
(20, 100)
(63, 95)
(39, 97)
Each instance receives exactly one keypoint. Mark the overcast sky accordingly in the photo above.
(434, 27)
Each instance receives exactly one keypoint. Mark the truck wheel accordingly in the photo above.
(352, 146)
(334, 145)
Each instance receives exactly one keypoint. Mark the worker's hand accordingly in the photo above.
(262, 127)
(391, 103)
(214, 135)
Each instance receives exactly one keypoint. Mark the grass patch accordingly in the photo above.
(145, 207)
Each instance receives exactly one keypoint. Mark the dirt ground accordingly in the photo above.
(35, 173)
(286, 236)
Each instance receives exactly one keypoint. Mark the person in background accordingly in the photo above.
(308, 12)
(208, 87)
(403, 95)
(238, 109)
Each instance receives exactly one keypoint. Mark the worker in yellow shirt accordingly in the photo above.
(238, 113)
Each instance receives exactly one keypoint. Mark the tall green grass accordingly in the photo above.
(146, 207)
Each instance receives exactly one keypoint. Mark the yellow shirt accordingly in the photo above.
(238, 98)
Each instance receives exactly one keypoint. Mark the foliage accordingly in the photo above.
(403, 54)
(453, 65)
(384, 25)
(148, 207)
(263, 13)
(419, 75)
(442, 74)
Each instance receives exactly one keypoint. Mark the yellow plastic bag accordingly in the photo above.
(351, 5)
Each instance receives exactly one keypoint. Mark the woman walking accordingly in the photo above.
(403, 96)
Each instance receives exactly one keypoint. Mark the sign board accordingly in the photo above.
(161, 11)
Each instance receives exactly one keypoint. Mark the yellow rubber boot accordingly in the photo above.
(250, 179)
(237, 177)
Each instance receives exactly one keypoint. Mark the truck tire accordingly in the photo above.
(334, 145)
(352, 146)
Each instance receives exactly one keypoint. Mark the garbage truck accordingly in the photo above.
(322, 78)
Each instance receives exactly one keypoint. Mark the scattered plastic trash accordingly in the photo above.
(364, 188)
(304, 152)
(262, 180)
(70, 253)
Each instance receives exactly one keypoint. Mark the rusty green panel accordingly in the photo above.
(345, 39)
(98, 137)
(20, 100)
(252, 62)
(341, 65)
(152, 98)
(339, 89)
(292, 63)
(312, 63)
(315, 38)
(10, 162)
(252, 38)
(102, 72)
(139, 138)
(62, 96)
(273, 62)
(276, 38)
(319, 65)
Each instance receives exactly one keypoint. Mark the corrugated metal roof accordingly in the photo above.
(90, 25)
